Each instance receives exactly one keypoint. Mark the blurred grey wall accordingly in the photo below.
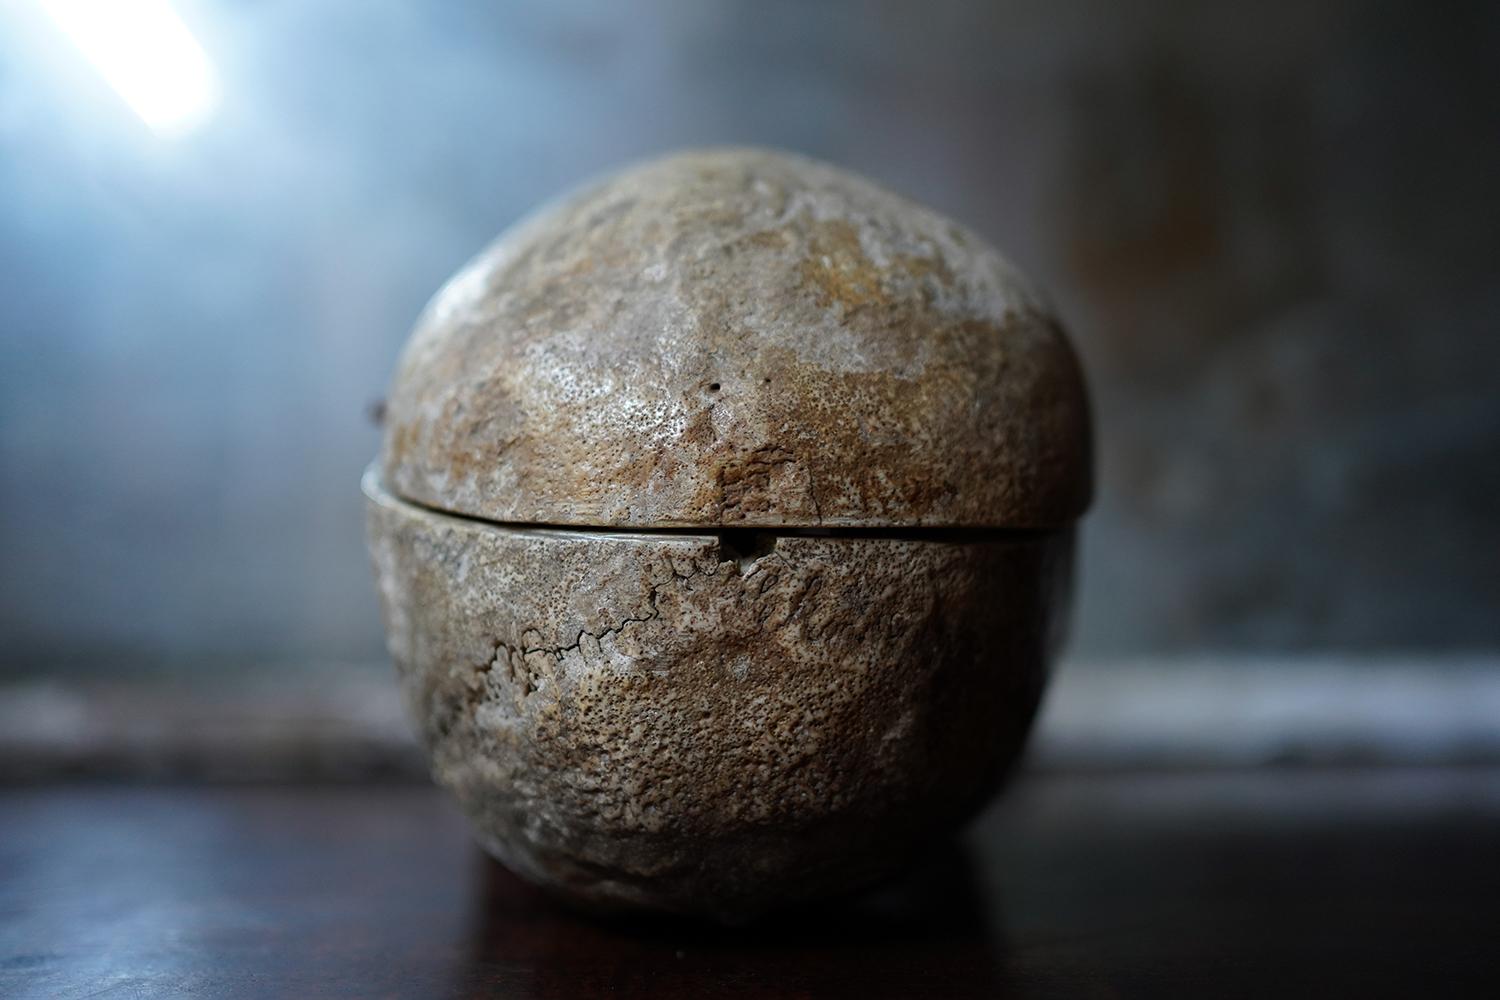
(1273, 229)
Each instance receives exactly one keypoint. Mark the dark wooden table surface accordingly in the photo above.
(1268, 883)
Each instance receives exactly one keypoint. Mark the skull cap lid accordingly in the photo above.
(740, 337)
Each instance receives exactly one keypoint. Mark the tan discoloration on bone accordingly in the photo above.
(636, 720)
(725, 724)
(838, 270)
(909, 372)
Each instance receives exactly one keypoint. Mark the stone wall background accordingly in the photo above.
(1273, 228)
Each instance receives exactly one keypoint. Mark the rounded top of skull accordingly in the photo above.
(740, 337)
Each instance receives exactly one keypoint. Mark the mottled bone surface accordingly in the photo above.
(723, 525)
(740, 336)
(642, 719)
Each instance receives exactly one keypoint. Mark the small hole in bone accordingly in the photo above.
(743, 546)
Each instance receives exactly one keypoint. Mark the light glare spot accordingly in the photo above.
(145, 52)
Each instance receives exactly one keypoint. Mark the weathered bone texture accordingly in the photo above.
(872, 440)
(740, 336)
(650, 720)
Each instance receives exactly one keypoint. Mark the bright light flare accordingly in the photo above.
(145, 52)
